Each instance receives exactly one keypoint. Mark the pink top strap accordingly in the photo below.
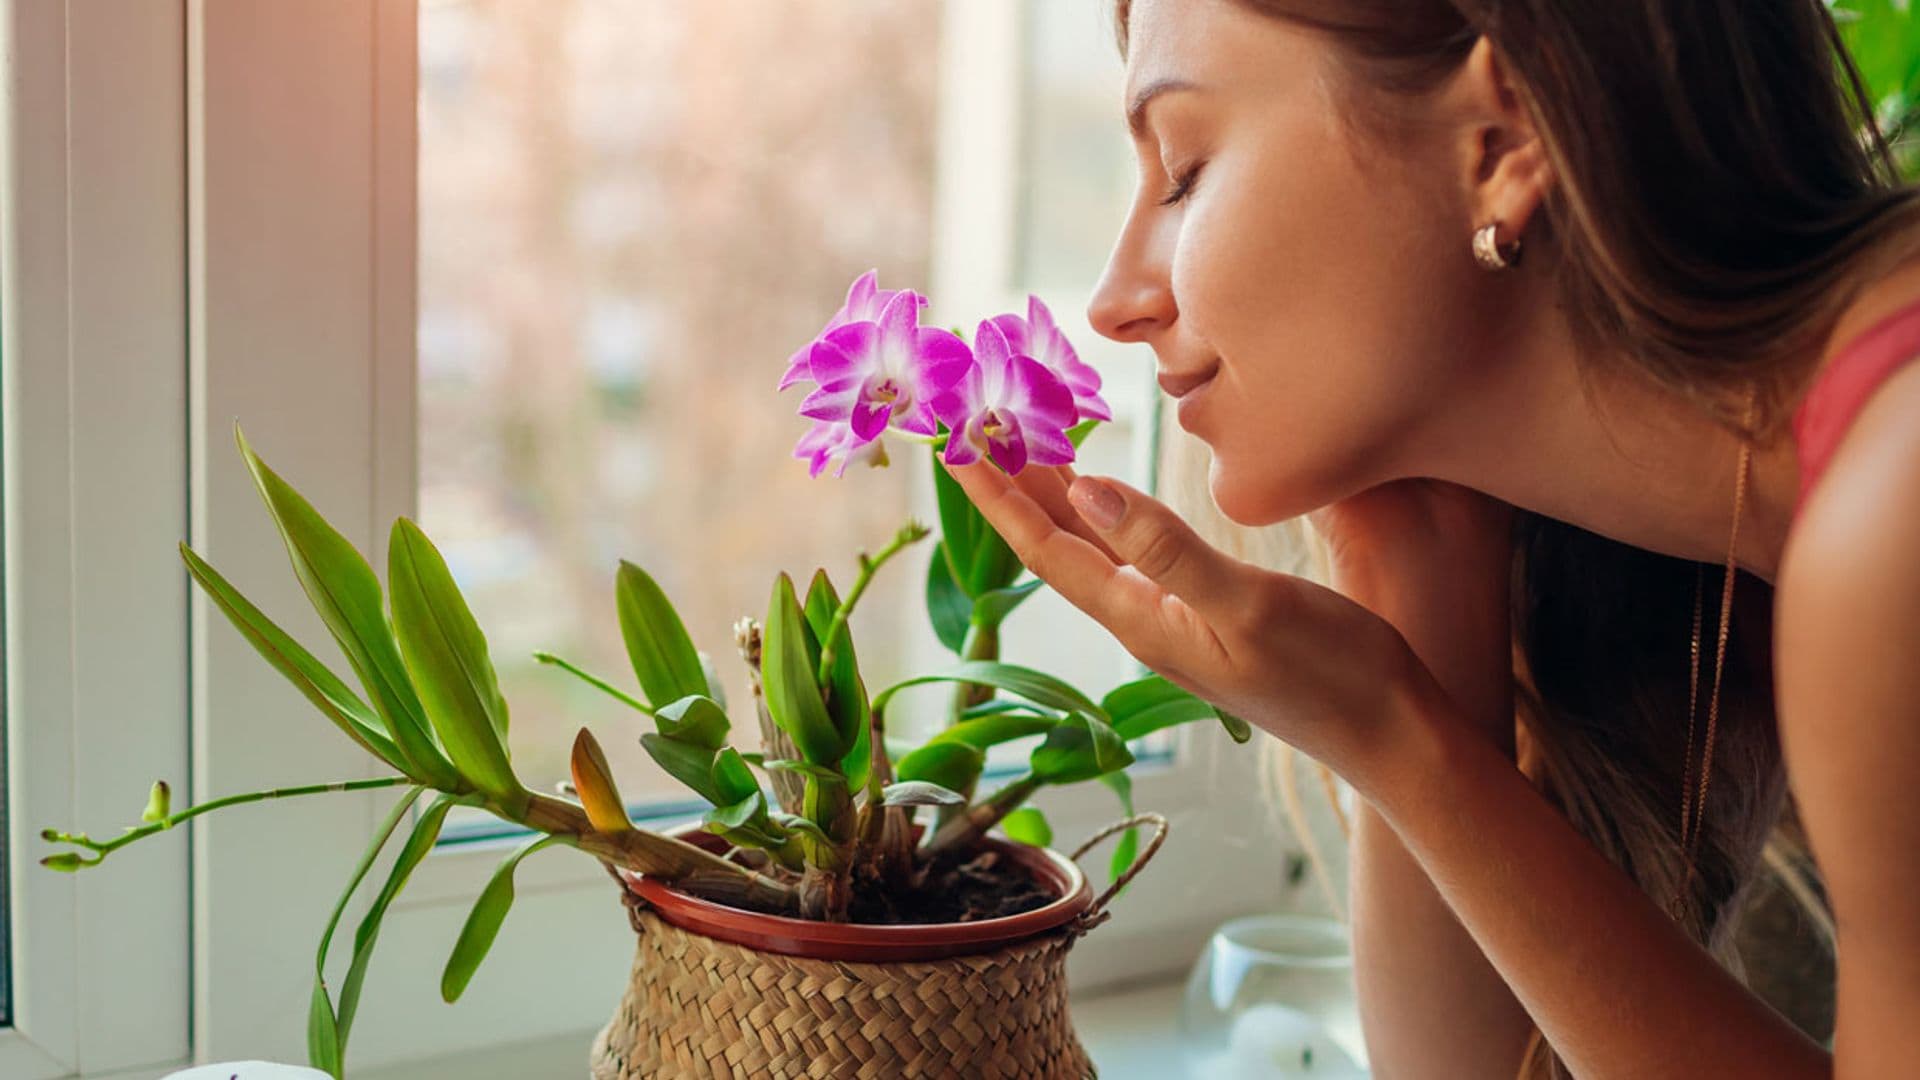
(1841, 390)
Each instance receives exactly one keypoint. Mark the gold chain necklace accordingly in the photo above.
(1692, 809)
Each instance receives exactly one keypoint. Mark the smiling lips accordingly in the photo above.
(1178, 384)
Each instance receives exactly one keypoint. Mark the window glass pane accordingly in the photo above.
(1079, 176)
(623, 234)
(6, 823)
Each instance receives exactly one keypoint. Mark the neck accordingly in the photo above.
(1596, 443)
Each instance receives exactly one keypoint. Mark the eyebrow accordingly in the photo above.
(1137, 108)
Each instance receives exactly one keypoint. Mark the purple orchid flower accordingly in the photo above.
(865, 300)
(1040, 337)
(829, 443)
(1008, 406)
(880, 373)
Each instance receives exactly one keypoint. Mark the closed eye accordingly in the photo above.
(1182, 187)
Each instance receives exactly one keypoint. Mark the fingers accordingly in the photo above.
(1150, 537)
(1047, 485)
(1085, 575)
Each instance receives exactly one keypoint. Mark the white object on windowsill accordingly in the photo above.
(247, 1070)
(1271, 1040)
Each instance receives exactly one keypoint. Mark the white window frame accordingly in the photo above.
(93, 330)
(302, 121)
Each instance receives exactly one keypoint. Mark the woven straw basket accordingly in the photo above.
(696, 1006)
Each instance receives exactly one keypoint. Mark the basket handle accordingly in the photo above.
(1097, 913)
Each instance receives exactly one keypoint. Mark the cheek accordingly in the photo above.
(1316, 285)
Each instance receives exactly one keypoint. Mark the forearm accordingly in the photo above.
(1616, 987)
(1430, 1002)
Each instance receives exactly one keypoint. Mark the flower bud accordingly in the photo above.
(157, 802)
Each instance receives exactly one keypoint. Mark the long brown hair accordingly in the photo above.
(1721, 193)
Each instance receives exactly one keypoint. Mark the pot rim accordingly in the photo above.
(871, 941)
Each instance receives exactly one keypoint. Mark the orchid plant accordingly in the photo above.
(840, 827)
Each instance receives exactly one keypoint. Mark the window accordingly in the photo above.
(608, 294)
(414, 312)
(93, 418)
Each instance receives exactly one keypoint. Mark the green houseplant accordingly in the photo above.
(837, 843)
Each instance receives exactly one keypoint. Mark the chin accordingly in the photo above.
(1257, 498)
(1238, 502)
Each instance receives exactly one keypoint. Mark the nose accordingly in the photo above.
(1134, 299)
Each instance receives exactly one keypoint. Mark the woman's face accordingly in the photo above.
(1327, 283)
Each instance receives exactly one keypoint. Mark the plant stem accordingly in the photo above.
(168, 822)
(982, 816)
(686, 866)
(983, 643)
(913, 531)
(549, 658)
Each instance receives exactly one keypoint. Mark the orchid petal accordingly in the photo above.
(830, 362)
(860, 296)
(943, 358)
(798, 367)
(1009, 448)
(1092, 406)
(870, 416)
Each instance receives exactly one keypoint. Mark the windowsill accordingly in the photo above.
(1128, 1030)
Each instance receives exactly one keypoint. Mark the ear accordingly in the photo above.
(1502, 159)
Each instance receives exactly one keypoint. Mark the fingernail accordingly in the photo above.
(1097, 502)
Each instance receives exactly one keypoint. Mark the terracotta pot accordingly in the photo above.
(720, 992)
(872, 943)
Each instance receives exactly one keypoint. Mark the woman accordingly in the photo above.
(1699, 361)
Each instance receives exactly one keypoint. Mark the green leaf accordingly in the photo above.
(960, 523)
(920, 793)
(323, 1038)
(738, 814)
(846, 694)
(344, 591)
(1037, 687)
(1028, 826)
(690, 764)
(746, 823)
(1129, 843)
(993, 606)
(447, 656)
(802, 767)
(483, 922)
(1147, 705)
(787, 678)
(313, 679)
(663, 655)
(948, 607)
(695, 719)
(857, 763)
(425, 831)
(1078, 433)
(798, 824)
(732, 780)
(994, 563)
(995, 706)
(953, 765)
(325, 1044)
(1080, 747)
(996, 729)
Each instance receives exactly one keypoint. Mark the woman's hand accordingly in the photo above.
(1435, 559)
(1302, 662)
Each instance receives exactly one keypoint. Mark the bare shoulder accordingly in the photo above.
(1850, 574)
(1847, 670)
